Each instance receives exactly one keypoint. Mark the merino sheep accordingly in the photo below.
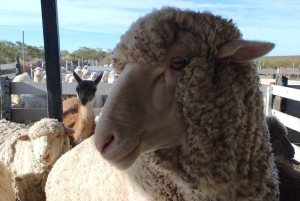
(32, 150)
(104, 77)
(184, 121)
(7, 192)
(24, 77)
(78, 111)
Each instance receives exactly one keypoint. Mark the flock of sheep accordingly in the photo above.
(189, 126)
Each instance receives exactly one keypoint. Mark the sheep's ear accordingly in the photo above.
(97, 80)
(24, 137)
(68, 131)
(78, 79)
(243, 50)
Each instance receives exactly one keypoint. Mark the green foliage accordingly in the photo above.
(10, 50)
(279, 61)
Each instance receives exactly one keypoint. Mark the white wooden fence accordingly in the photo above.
(8, 67)
(285, 92)
(40, 88)
(104, 89)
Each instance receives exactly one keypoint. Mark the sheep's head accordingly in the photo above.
(48, 138)
(144, 111)
(86, 89)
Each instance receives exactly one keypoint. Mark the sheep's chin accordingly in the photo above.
(128, 160)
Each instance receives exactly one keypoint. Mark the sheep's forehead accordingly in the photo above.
(147, 40)
(49, 127)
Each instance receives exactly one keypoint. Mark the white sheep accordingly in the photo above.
(93, 76)
(7, 192)
(79, 72)
(86, 74)
(67, 76)
(183, 122)
(104, 77)
(15, 98)
(111, 77)
(32, 151)
(38, 74)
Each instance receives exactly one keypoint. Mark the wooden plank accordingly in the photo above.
(52, 58)
(269, 101)
(67, 88)
(10, 76)
(286, 92)
(270, 71)
(288, 120)
(7, 66)
(267, 71)
(35, 114)
(38, 88)
(293, 82)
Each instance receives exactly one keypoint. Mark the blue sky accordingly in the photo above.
(99, 24)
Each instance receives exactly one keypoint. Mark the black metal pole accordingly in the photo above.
(52, 58)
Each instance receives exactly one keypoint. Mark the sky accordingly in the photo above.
(99, 24)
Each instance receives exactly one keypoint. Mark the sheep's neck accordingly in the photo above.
(84, 126)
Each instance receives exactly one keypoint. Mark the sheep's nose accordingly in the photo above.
(104, 144)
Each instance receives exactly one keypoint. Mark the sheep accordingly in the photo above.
(111, 77)
(104, 77)
(86, 74)
(38, 74)
(281, 145)
(7, 191)
(93, 76)
(32, 151)
(24, 77)
(184, 121)
(79, 72)
(78, 111)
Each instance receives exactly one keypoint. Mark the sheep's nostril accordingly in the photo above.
(111, 139)
(103, 144)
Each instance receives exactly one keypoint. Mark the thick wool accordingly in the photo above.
(226, 154)
(18, 156)
(7, 192)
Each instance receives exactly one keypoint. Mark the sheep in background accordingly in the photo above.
(112, 77)
(71, 79)
(104, 77)
(184, 121)
(67, 77)
(86, 74)
(79, 72)
(78, 111)
(38, 74)
(7, 192)
(15, 98)
(32, 150)
(93, 76)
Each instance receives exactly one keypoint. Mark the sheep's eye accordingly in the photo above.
(178, 63)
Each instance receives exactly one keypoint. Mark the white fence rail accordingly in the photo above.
(285, 92)
(8, 67)
(279, 71)
(39, 88)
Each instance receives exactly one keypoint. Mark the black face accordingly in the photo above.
(86, 91)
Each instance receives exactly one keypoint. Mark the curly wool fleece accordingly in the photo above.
(227, 154)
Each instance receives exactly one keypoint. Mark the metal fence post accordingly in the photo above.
(6, 99)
